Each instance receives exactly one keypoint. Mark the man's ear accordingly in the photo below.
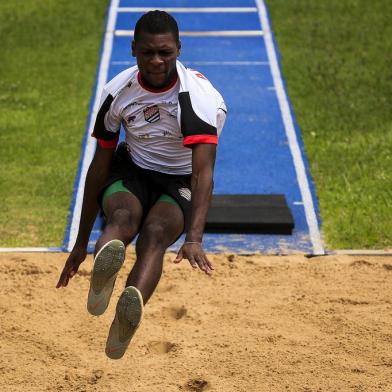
(133, 48)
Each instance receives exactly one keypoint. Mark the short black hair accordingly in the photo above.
(156, 22)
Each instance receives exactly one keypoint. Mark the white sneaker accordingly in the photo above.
(129, 314)
(107, 264)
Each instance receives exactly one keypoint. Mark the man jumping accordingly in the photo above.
(157, 184)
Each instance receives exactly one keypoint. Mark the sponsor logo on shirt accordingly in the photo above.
(171, 133)
(151, 114)
(133, 104)
(130, 119)
(173, 114)
(144, 136)
(198, 74)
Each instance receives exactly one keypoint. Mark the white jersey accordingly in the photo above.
(160, 124)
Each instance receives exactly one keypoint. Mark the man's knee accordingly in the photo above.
(124, 219)
(153, 236)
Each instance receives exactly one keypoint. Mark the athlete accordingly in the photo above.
(158, 183)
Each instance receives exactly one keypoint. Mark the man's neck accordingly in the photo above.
(167, 86)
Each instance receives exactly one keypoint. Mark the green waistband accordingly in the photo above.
(118, 186)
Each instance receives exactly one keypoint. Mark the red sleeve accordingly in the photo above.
(199, 139)
(107, 143)
(194, 129)
(105, 138)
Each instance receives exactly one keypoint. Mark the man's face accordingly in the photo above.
(156, 56)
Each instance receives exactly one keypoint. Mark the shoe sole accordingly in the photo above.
(107, 264)
(129, 314)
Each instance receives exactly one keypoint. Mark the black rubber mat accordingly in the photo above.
(267, 214)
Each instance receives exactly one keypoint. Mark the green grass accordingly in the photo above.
(49, 52)
(337, 62)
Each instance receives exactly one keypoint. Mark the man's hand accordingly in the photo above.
(72, 264)
(194, 252)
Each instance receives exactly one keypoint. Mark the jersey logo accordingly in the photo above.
(151, 114)
(130, 119)
(198, 74)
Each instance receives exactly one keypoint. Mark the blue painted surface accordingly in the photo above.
(187, 3)
(253, 152)
(204, 49)
(199, 21)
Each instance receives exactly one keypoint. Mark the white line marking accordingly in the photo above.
(361, 252)
(204, 63)
(339, 252)
(227, 62)
(123, 63)
(91, 143)
(298, 203)
(31, 249)
(191, 9)
(310, 213)
(222, 33)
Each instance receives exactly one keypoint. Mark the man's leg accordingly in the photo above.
(164, 223)
(162, 227)
(124, 213)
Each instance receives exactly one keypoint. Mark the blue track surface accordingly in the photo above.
(253, 155)
(199, 21)
(187, 3)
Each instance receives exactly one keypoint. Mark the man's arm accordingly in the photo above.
(97, 174)
(203, 160)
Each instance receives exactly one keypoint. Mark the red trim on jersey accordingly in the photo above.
(200, 139)
(156, 90)
(107, 143)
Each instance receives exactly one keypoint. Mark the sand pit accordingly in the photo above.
(258, 324)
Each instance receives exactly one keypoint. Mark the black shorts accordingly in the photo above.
(149, 185)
